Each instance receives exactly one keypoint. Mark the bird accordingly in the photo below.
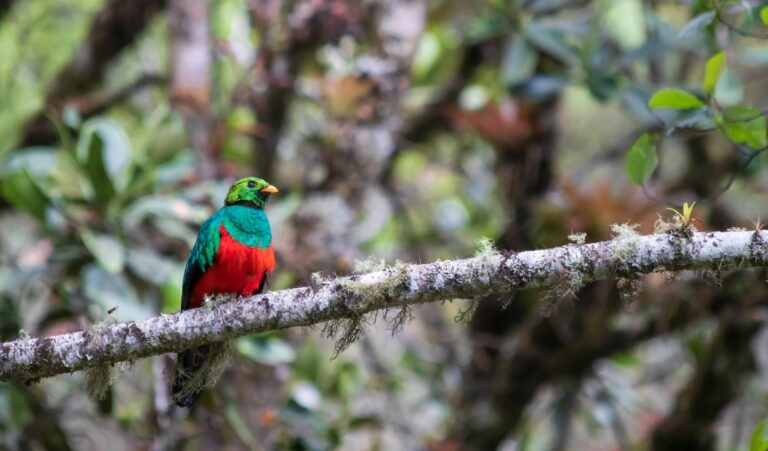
(232, 255)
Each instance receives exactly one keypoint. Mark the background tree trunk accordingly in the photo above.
(191, 78)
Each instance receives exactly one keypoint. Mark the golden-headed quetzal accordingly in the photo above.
(232, 255)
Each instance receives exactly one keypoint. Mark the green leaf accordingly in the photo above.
(15, 411)
(697, 24)
(107, 291)
(239, 425)
(627, 359)
(696, 343)
(759, 440)
(603, 86)
(71, 117)
(675, 99)
(105, 152)
(750, 166)
(427, 54)
(519, 60)
(347, 381)
(713, 69)
(624, 20)
(746, 125)
(267, 350)
(764, 15)
(171, 293)
(696, 119)
(23, 192)
(241, 118)
(306, 395)
(151, 266)
(729, 91)
(642, 159)
(39, 161)
(102, 188)
(24, 177)
(551, 42)
(741, 113)
(109, 252)
(486, 24)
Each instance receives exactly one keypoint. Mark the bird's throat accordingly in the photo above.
(247, 203)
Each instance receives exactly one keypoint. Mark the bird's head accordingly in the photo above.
(251, 191)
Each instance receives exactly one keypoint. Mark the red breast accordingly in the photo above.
(237, 269)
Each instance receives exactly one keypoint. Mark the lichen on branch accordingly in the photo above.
(393, 287)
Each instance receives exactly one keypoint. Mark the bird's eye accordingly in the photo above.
(251, 184)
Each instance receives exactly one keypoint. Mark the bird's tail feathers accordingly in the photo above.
(199, 368)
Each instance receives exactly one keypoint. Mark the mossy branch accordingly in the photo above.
(398, 286)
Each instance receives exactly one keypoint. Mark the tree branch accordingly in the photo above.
(398, 286)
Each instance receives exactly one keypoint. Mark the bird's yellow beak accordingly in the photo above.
(269, 190)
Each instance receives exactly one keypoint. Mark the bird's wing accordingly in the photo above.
(200, 257)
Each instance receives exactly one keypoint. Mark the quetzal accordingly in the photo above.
(232, 255)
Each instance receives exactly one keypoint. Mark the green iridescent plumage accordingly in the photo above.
(233, 255)
(250, 190)
(247, 225)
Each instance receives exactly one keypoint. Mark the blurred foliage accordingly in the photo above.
(665, 95)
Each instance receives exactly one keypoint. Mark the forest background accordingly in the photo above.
(395, 130)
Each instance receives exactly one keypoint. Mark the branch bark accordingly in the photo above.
(399, 286)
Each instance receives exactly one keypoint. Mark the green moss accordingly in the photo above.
(98, 378)
(395, 286)
(577, 238)
(565, 289)
(581, 263)
(345, 330)
(676, 224)
(370, 264)
(465, 314)
(403, 316)
(316, 278)
(486, 249)
(629, 289)
(625, 239)
(212, 301)
(390, 288)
